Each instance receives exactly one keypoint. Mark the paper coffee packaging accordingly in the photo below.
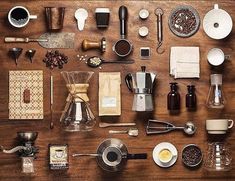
(109, 94)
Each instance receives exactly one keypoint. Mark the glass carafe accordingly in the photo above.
(218, 157)
(77, 115)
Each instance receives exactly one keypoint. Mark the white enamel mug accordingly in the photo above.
(19, 16)
(218, 126)
(216, 57)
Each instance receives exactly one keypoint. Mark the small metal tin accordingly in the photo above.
(144, 14)
(143, 31)
(195, 165)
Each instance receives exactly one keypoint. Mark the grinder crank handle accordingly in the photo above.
(123, 15)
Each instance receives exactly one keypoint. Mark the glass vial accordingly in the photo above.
(191, 99)
(173, 98)
(215, 98)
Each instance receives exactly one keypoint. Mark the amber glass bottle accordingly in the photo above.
(173, 98)
(191, 99)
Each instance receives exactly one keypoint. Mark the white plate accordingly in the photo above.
(165, 145)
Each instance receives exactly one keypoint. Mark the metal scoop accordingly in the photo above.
(189, 128)
(131, 132)
(96, 61)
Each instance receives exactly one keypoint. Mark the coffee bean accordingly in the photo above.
(55, 59)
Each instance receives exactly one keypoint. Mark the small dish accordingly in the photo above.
(143, 31)
(192, 156)
(167, 146)
(143, 14)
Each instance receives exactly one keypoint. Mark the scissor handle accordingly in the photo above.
(168, 127)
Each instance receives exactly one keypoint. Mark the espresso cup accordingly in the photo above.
(218, 126)
(102, 17)
(59, 153)
(165, 156)
(19, 16)
(216, 57)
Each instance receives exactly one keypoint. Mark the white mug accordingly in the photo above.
(216, 57)
(218, 126)
(19, 16)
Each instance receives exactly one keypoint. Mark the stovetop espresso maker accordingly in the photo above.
(141, 84)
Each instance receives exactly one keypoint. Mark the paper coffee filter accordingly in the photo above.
(217, 24)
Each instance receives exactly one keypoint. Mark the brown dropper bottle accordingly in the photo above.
(191, 99)
(173, 98)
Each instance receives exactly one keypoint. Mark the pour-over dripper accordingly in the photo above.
(77, 115)
(30, 53)
(15, 53)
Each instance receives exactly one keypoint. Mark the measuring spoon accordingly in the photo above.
(131, 132)
(81, 15)
(97, 61)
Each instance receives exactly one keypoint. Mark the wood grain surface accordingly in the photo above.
(86, 168)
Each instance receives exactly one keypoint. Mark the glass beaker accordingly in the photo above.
(215, 98)
(77, 115)
(218, 157)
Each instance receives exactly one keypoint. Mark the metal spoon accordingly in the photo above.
(131, 132)
(189, 128)
(97, 61)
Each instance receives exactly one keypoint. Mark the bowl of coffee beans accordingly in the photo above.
(192, 156)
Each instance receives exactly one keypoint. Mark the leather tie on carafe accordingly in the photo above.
(79, 93)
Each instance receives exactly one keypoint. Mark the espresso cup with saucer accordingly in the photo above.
(218, 126)
(165, 154)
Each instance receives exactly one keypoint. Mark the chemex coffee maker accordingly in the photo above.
(141, 84)
(26, 150)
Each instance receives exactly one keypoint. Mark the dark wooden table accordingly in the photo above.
(86, 168)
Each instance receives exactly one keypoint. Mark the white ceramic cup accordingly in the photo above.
(19, 16)
(165, 160)
(218, 126)
(216, 57)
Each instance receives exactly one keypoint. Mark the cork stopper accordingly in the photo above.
(216, 79)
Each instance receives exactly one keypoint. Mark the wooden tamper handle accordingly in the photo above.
(88, 44)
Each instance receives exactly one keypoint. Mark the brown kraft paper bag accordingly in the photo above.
(109, 94)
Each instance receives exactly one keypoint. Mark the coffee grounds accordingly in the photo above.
(122, 47)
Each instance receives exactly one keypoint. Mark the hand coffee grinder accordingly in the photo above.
(141, 84)
(26, 150)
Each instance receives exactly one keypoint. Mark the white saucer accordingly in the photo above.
(165, 145)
